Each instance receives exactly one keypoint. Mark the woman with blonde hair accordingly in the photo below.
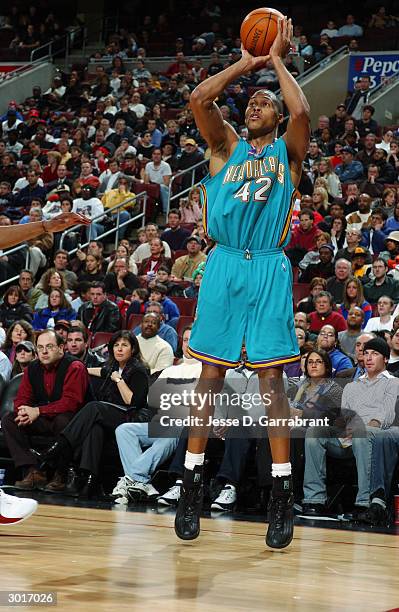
(326, 171)
(353, 296)
(320, 201)
(190, 207)
(50, 171)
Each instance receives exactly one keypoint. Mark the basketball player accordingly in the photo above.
(246, 292)
(14, 509)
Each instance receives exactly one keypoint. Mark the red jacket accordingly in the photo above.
(304, 240)
(334, 318)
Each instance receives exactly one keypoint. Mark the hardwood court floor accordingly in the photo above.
(115, 560)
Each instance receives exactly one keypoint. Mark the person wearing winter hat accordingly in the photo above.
(368, 406)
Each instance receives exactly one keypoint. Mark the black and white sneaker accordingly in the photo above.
(376, 515)
(317, 512)
(187, 520)
(142, 491)
(172, 496)
(226, 500)
(280, 513)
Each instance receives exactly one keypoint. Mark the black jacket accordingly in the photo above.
(9, 314)
(93, 360)
(136, 377)
(107, 319)
(130, 281)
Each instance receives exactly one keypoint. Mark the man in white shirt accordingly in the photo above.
(143, 251)
(350, 28)
(91, 207)
(157, 354)
(136, 105)
(109, 178)
(159, 171)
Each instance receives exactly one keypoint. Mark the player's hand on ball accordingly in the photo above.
(252, 64)
(282, 43)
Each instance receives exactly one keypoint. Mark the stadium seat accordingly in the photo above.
(8, 391)
(100, 338)
(182, 323)
(300, 291)
(179, 253)
(188, 226)
(153, 196)
(133, 321)
(186, 306)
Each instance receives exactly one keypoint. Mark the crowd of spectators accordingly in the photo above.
(92, 145)
(26, 27)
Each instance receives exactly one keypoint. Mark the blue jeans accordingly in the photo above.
(164, 189)
(137, 463)
(321, 441)
(93, 230)
(123, 216)
(385, 451)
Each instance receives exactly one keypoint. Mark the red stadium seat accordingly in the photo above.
(182, 323)
(188, 226)
(179, 253)
(300, 291)
(100, 338)
(133, 321)
(186, 306)
(153, 193)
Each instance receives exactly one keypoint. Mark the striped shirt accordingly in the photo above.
(373, 398)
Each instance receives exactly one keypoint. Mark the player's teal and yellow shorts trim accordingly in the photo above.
(245, 296)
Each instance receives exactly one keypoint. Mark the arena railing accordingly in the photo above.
(20, 247)
(386, 82)
(110, 214)
(323, 63)
(179, 175)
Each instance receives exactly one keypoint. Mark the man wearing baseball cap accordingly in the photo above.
(359, 265)
(25, 352)
(325, 267)
(190, 156)
(350, 170)
(368, 406)
(184, 266)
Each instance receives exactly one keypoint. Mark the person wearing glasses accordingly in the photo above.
(382, 284)
(53, 388)
(353, 238)
(318, 397)
(328, 341)
(368, 408)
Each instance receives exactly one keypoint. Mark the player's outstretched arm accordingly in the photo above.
(298, 129)
(220, 136)
(13, 235)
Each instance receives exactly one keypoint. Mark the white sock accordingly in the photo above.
(281, 469)
(193, 459)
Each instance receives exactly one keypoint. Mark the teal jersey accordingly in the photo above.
(248, 203)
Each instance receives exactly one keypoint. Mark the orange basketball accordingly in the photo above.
(259, 29)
